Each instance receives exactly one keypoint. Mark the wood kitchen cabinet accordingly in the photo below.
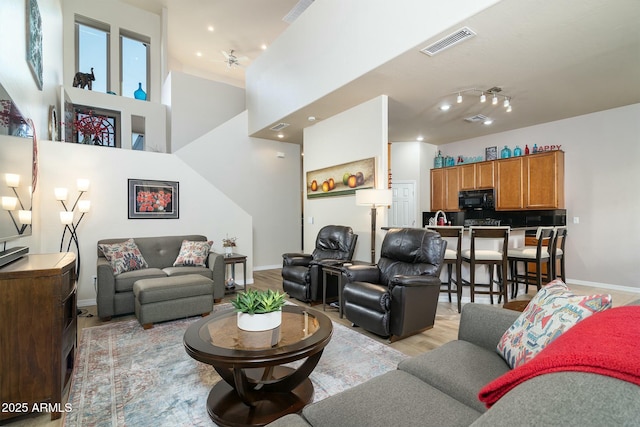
(468, 176)
(530, 182)
(445, 185)
(533, 182)
(477, 175)
(485, 175)
(544, 180)
(510, 184)
(38, 329)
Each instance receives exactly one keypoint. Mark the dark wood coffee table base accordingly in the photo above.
(226, 408)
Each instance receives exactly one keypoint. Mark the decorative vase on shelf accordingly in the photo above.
(517, 151)
(505, 153)
(139, 93)
(437, 162)
(228, 250)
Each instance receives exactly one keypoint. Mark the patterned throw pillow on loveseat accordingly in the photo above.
(124, 256)
(193, 253)
(552, 311)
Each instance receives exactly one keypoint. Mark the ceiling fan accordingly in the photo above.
(232, 60)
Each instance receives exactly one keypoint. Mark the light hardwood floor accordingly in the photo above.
(445, 329)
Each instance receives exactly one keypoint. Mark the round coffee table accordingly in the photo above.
(256, 389)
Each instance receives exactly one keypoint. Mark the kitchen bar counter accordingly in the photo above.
(515, 219)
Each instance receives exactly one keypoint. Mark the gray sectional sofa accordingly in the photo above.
(440, 388)
(115, 292)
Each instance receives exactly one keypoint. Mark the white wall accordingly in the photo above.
(355, 134)
(245, 168)
(119, 16)
(364, 34)
(154, 113)
(601, 189)
(248, 171)
(199, 105)
(203, 208)
(410, 161)
(15, 74)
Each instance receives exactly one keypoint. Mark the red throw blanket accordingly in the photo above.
(606, 343)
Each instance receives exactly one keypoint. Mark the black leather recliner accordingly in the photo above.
(397, 297)
(302, 273)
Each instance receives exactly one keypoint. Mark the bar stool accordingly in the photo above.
(539, 255)
(557, 252)
(492, 258)
(453, 236)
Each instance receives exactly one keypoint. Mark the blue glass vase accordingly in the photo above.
(505, 153)
(517, 151)
(438, 161)
(139, 93)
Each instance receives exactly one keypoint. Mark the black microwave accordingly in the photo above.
(476, 199)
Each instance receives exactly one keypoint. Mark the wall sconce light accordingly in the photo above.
(10, 203)
(67, 216)
(374, 198)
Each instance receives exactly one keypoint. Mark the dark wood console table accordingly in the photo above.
(38, 327)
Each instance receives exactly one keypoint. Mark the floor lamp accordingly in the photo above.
(67, 217)
(374, 198)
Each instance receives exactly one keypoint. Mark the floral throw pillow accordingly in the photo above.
(193, 253)
(124, 256)
(552, 311)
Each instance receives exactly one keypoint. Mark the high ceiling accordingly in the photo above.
(554, 59)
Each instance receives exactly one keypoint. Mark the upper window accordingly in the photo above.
(92, 47)
(134, 60)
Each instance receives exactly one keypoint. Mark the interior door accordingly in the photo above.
(403, 207)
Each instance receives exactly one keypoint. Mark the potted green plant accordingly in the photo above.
(259, 310)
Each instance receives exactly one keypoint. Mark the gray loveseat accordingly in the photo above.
(440, 388)
(115, 292)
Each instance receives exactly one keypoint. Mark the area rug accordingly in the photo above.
(128, 376)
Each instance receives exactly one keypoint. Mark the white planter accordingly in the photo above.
(228, 250)
(259, 322)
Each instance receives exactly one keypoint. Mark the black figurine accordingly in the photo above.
(83, 80)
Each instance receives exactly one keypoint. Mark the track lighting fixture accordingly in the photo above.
(494, 92)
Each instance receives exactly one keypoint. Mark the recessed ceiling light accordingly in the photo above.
(445, 107)
(280, 135)
(311, 118)
(420, 138)
(263, 47)
(210, 28)
(488, 122)
(198, 53)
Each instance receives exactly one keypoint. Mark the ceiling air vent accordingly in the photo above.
(477, 118)
(279, 126)
(297, 10)
(450, 40)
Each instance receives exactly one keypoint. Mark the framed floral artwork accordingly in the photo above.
(153, 199)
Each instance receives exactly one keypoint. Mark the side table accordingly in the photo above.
(334, 270)
(233, 259)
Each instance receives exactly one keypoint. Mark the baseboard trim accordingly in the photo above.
(604, 286)
(86, 302)
(267, 267)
